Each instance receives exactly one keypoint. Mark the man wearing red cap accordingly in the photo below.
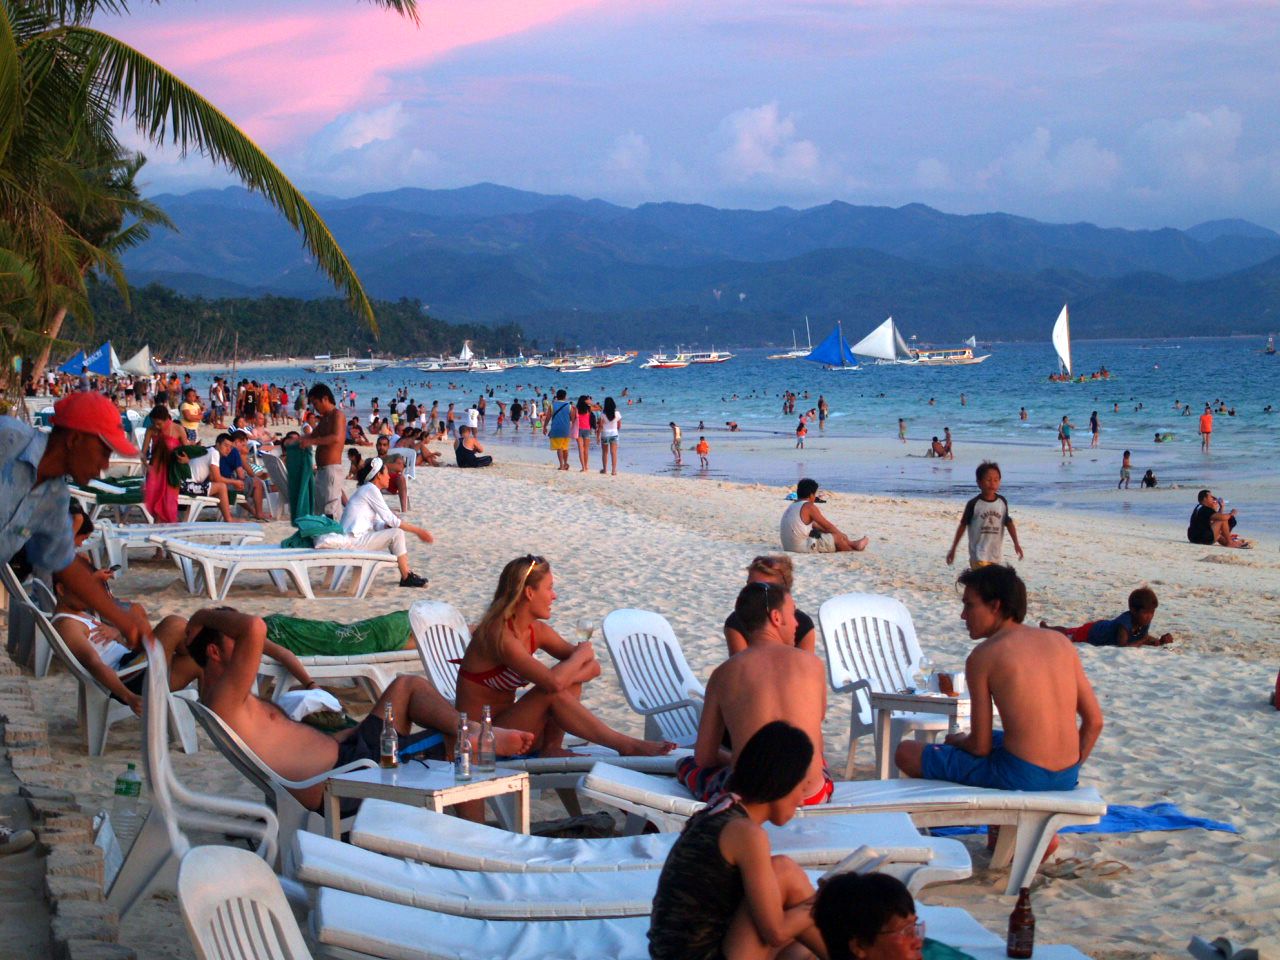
(34, 500)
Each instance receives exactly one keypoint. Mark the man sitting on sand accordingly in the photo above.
(228, 645)
(1210, 523)
(806, 530)
(772, 679)
(1037, 683)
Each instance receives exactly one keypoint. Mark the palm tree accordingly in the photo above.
(62, 85)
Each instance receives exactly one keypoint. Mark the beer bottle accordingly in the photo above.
(1022, 927)
(462, 750)
(390, 742)
(487, 755)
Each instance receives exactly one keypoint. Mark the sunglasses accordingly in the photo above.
(533, 562)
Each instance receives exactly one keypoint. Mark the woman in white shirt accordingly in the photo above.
(609, 424)
(371, 525)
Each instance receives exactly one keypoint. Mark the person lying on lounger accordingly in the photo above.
(228, 645)
(501, 659)
(721, 893)
(1036, 681)
(772, 679)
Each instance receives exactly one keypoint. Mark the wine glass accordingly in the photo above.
(926, 672)
(585, 627)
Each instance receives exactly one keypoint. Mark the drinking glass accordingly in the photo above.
(585, 628)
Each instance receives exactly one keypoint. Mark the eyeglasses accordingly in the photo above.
(912, 928)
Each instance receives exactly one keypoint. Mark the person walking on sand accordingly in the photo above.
(805, 530)
(558, 428)
(1064, 437)
(1206, 428)
(985, 517)
(703, 450)
(1125, 468)
(902, 430)
(675, 442)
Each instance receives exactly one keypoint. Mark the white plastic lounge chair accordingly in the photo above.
(278, 474)
(423, 836)
(354, 927)
(153, 859)
(95, 708)
(442, 635)
(373, 671)
(871, 637)
(322, 862)
(1034, 816)
(200, 565)
(119, 539)
(89, 501)
(24, 639)
(292, 816)
(249, 919)
(654, 674)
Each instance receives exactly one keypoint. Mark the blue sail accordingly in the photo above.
(834, 351)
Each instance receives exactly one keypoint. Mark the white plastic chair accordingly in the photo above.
(119, 539)
(23, 636)
(153, 859)
(245, 918)
(656, 678)
(291, 814)
(871, 637)
(278, 474)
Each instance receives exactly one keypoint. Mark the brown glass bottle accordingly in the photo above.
(1022, 928)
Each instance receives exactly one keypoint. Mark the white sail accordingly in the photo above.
(466, 353)
(140, 363)
(972, 343)
(883, 343)
(1062, 339)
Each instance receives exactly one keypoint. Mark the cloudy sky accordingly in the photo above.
(1135, 113)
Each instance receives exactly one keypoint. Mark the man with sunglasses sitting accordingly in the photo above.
(772, 679)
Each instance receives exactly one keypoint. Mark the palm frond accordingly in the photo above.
(10, 81)
(167, 110)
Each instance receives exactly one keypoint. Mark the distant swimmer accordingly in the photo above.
(1022, 414)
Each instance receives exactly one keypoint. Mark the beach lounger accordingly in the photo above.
(869, 637)
(95, 708)
(424, 836)
(441, 634)
(655, 677)
(152, 860)
(279, 477)
(252, 919)
(291, 815)
(119, 539)
(1034, 816)
(201, 564)
(98, 496)
(374, 671)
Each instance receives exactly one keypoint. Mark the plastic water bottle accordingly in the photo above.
(462, 751)
(487, 757)
(124, 806)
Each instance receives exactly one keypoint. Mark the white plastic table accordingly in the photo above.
(884, 705)
(426, 785)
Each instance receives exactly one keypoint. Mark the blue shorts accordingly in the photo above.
(999, 770)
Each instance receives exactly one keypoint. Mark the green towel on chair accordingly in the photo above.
(310, 529)
(309, 638)
(299, 463)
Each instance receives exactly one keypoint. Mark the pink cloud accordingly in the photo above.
(281, 76)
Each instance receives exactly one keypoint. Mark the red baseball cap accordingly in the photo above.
(87, 411)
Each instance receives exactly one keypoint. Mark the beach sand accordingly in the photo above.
(1188, 724)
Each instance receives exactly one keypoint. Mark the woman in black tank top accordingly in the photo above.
(777, 569)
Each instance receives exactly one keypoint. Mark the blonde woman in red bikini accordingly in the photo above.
(501, 660)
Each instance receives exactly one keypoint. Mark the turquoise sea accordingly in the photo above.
(858, 450)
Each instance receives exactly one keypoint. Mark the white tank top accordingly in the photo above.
(795, 532)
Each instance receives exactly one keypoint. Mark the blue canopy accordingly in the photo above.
(834, 351)
(102, 361)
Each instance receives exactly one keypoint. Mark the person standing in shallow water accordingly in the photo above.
(1094, 428)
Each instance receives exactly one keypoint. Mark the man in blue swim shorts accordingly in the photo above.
(1036, 681)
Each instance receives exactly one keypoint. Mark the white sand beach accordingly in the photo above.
(1188, 724)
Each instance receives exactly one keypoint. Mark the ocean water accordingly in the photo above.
(858, 450)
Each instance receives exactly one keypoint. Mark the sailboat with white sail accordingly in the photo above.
(1062, 342)
(834, 352)
(796, 352)
(885, 345)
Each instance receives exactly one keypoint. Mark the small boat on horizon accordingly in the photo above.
(796, 352)
(664, 361)
(709, 356)
(834, 352)
(1270, 348)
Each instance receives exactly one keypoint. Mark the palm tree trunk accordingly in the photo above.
(52, 331)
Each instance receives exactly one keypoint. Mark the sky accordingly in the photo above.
(1129, 113)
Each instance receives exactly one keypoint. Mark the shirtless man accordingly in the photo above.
(771, 680)
(327, 437)
(229, 645)
(1037, 683)
(805, 530)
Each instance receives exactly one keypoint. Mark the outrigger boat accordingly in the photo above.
(796, 352)
(834, 353)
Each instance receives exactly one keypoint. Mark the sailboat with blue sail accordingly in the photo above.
(834, 353)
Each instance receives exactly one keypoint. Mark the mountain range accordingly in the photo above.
(592, 272)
